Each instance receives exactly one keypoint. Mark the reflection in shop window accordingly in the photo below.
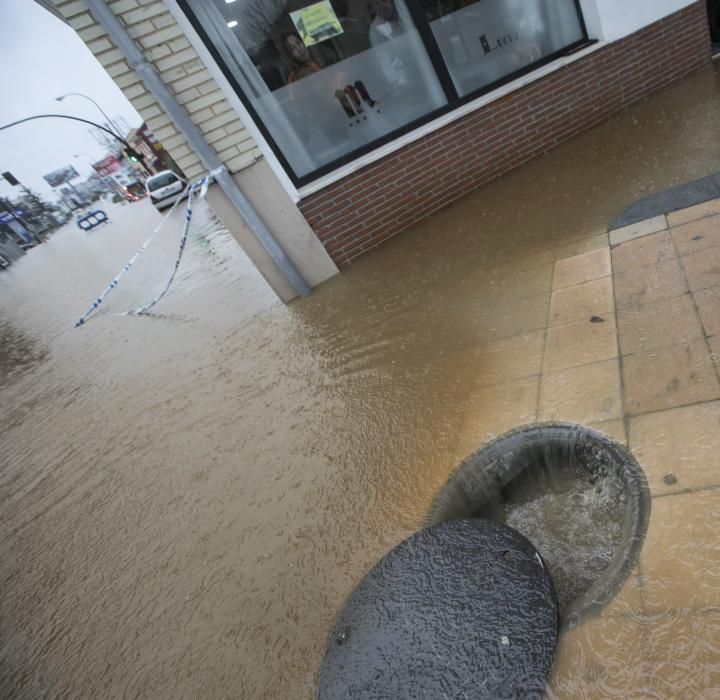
(325, 78)
(484, 41)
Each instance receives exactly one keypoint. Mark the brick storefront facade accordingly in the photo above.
(366, 208)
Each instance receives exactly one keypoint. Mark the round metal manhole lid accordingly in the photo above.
(465, 609)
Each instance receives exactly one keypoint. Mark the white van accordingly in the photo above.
(164, 187)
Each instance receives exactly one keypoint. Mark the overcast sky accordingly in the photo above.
(43, 58)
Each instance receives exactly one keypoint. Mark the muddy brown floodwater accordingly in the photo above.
(186, 499)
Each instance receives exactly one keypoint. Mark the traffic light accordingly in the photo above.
(10, 179)
(133, 156)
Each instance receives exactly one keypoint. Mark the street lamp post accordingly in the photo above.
(129, 152)
(112, 124)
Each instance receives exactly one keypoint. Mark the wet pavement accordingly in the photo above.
(651, 365)
(187, 498)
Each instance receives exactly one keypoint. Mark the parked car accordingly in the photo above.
(164, 187)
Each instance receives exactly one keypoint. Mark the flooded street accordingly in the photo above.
(186, 499)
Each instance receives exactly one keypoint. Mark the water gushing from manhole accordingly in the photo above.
(578, 496)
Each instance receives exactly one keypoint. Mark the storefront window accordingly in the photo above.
(325, 78)
(486, 40)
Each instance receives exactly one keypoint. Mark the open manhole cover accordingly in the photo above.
(577, 495)
(465, 609)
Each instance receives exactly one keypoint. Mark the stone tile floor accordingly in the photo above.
(630, 345)
(647, 373)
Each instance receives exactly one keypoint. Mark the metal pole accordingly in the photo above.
(80, 199)
(102, 13)
(61, 197)
(66, 116)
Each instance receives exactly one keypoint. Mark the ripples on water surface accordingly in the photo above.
(187, 498)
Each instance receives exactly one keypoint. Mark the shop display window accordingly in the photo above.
(483, 41)
(328, 80)
(325, 78)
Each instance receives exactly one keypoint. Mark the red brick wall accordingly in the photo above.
(373, 204)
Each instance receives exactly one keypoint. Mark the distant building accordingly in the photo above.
(73, 197)
(35, 215)
(96, 184)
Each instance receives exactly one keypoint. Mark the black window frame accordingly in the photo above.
(454, 101)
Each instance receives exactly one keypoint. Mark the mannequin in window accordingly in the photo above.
(300, 61)
(386, 24)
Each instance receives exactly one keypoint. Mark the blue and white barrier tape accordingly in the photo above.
(203, 184)
(200, 183)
